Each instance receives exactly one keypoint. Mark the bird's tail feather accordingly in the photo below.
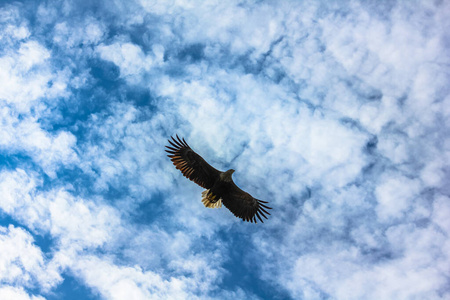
(210, 200)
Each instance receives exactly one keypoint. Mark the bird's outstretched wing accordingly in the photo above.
(243, 205)
(192, 165)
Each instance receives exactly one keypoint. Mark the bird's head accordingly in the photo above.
(226, 176)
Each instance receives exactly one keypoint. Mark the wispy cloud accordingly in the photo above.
(23, 263)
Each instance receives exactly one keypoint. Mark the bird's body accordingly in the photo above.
(219, 186)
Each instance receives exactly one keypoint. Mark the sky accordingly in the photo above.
(336, 112)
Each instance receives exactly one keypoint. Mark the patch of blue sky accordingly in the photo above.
(72, 289)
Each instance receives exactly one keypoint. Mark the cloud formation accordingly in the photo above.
(336, 115)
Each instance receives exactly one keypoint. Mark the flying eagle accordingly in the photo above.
(219, 186)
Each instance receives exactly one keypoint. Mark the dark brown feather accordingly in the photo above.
(242, 204)
(191, 165)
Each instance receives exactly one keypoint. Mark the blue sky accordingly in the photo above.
(337, 113)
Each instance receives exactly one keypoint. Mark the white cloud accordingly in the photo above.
(25, 135)
(130, 58)
(395, 195)
(12, 25)
(76, 223)
(441, 210)
(16, 293)
(125, 149)
(27, 78)
(345, 273)
(22, 263)
(24, 76)
(115, 282)
(90, 32)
